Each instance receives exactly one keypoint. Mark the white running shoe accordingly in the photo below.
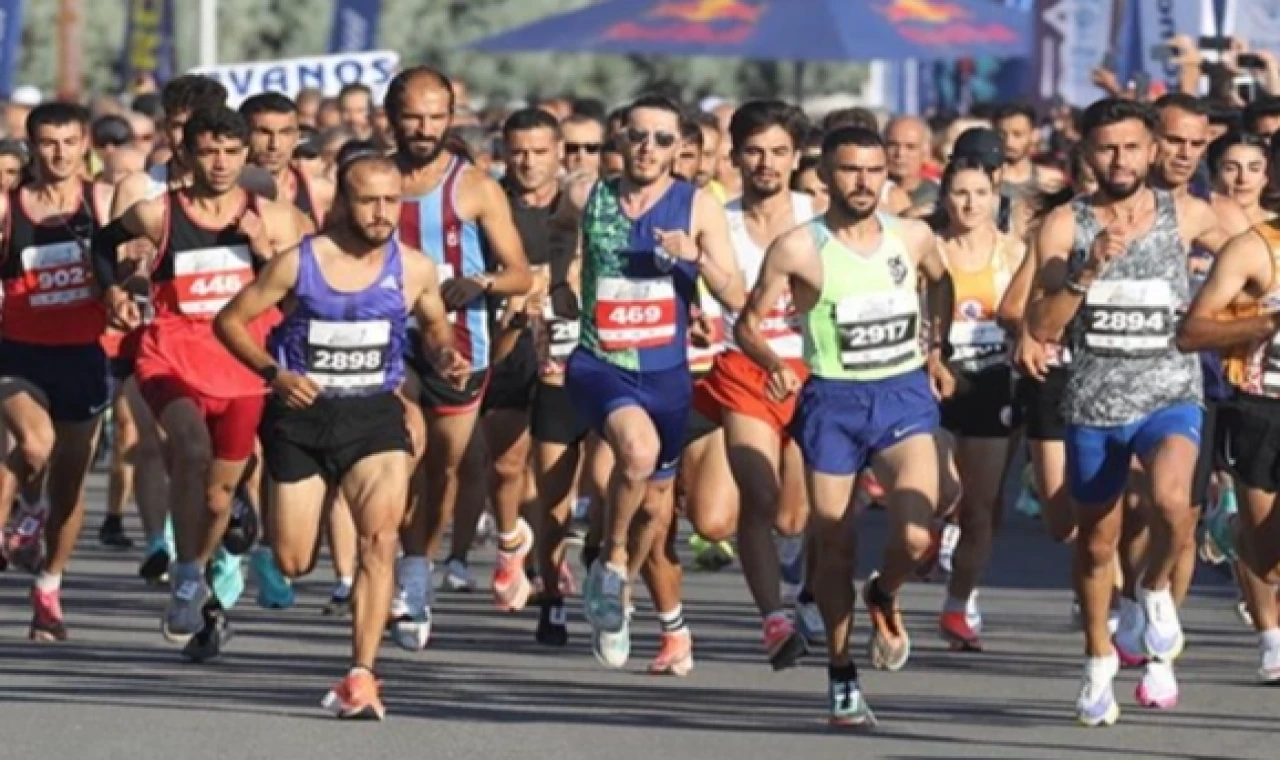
(1096, 705)
(1159, 687)
(457, 576)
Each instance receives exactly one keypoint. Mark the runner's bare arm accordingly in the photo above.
(940, 293)
(1203, 227)
(267, 290)
(493, 214)
(1013, 304)
(146, 220)
(716, 262)
(1048, 315)
(782, 260)
(129, 191)
(424, 300)
(1230, 215)
(323, 193)
(565, 244)
(1243, 267)
(897, 202)
(278, 229)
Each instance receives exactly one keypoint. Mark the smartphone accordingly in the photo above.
(1109, 61)
(1163, 52)
(1215, 43)
(1246, 88)
(1250, 61)
(1142, 86)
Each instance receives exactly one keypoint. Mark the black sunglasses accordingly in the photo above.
(661, 139)
(592, 148)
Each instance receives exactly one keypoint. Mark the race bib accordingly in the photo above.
(878, 330)
(1130, 318)
(635, 313)
(206, 279)
(56, 275)
(977, 345)
(348, 356)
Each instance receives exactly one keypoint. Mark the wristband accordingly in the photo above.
(269, 373)
(1075, 287)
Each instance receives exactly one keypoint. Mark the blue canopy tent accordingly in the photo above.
(792, 30)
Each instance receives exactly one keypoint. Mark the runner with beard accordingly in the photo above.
(1113, 268)
(460, 218)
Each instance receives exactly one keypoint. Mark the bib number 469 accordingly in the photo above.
(636, 315)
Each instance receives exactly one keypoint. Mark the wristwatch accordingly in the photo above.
(269, 373)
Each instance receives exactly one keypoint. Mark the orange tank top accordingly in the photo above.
(977, 339)
(1256, 369)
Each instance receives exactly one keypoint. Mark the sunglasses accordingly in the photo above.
(661, 139)
(572, 148)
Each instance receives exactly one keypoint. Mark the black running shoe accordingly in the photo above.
(553, 619)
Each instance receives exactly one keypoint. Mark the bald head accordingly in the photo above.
(419, 107)
(907, 145)
(416, 80)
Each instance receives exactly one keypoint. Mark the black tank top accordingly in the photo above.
(186, 234)
(531, 223)
(302, 197)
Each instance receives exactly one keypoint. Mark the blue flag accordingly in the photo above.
(148, 42)
(355, 26)
(11, 39)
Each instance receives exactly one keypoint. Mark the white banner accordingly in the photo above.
(1072, 37)
(327, 73)
(1256, 22)
(1161, 21)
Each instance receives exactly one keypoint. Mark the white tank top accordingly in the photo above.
(781, 327)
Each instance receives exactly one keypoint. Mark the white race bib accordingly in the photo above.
(877, 330)
(1129, 318)
(206, 279)
(56, 275)
(348, 356)
(635, 313)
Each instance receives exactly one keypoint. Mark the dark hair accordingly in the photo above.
(11, 146)
(356, 88)
(657, 103)
(1259, 110)
(858, 136)
(850, 117)
(218, 122)
(1218, 148)
(394, 99)
(267, 102)
(806, 163)
(1183, 102)
(111, 130)
(1110, 111)
(1043, 203)
(618, 115)
(528, 119)
(579, 118)
(192, 92)
(357, 153)
(56, 114)
(1010, 110)
(706, 120)
(591, 108)
(1224, 114)
(690, 132)
(939, 220)
(984, 109)
(756, 116)
(148, 104)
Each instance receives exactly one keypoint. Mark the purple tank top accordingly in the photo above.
(348, 343)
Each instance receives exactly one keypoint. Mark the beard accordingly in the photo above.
(1120, 192)
(414, 155)
(841, 204)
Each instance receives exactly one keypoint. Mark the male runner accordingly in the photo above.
(1022, 177)
(449, 209)
(211, 238)
(335, 421)
(1113, 267)
(645, 238)
(273, 134)
(852, 274)
(766, 138)
(53, 371)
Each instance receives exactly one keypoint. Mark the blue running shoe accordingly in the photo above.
(274, 590)
(226, 578)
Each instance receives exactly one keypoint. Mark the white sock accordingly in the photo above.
(344, 586)
(47, 581)
(1270, 638)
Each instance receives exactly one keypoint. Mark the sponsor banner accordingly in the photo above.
(1072, 39)
(355, 26)
(11, 40)
(327, 73)
(148, 42)
(1160, 21)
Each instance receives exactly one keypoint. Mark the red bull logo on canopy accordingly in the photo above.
(710, 22)
(937, 22)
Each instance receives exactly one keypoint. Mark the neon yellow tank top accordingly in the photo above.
(866, 323)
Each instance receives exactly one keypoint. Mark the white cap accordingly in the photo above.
(26, 95)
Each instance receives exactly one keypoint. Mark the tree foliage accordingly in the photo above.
(423, 31)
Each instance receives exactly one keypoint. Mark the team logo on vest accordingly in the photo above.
(969, 309)
(897, 270)
(663, 260)
(451, 239)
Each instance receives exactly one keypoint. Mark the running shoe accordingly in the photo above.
(1269, 656)
(1096, 705)
(26, 541)
(1162, 638)
(1158, 688)
(1028, 503)
(155, 565)
(947, 543)
(511, 586)
(604, 598)
(46, 616)
(890, 645)
(784, 645)
(675, 654)
(111, 533)
(226, 577)
(356, 697)
(339, 602)
(809, 621)
(411, 610)
(1219, 527)
(612, 649)
(242, 528)
(956, 631)
(275, 592)
(457, 576)
(208, 642)
(553, 623)
(848, 707)
(486, 530)
(1128, 636)
(184, 616)
(710, 557)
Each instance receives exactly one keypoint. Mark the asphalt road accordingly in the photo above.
(484, 689)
